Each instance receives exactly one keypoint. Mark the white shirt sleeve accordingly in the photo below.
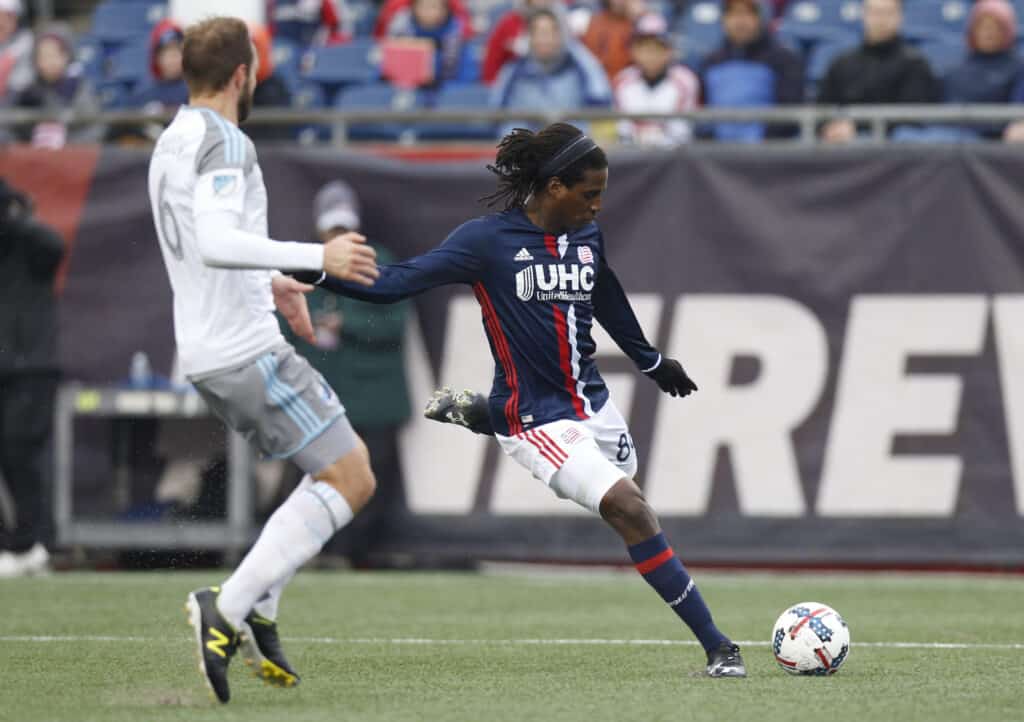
(218, 206)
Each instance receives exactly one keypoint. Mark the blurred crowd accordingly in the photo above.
(640, 56)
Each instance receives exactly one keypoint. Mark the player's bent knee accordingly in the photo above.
(627, 511)
(352, 476)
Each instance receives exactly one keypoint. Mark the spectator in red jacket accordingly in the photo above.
(610, 31)
(393, 7)
(509, 39)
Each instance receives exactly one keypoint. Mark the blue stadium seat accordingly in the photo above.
(287, 57)
(925, 18)
(824, 53)
(363, 16)
(310, 96)
(378, 96)
(129, 65)
(114, 23)
(810, 22)
(943, 53)
(355, 63)
(90, 57)
(700, 31)
(460, 97)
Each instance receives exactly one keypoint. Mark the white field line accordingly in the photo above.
(416, 641)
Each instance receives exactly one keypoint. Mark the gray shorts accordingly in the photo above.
(284, 406)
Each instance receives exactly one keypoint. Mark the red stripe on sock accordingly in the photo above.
(646, 567)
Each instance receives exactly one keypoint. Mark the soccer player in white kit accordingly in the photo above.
(210, 210)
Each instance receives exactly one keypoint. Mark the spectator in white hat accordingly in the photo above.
(655, 83)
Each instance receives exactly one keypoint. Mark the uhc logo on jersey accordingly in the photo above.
(567, 282)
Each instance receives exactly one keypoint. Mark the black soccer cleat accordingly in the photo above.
(463, 408)
(725, 661)
(216, 640)
(262, 653)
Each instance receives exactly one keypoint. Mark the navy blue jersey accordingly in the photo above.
(539, 296)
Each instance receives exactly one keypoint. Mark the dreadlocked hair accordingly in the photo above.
(523, 153)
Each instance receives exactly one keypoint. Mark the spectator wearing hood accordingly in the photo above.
(15, 51)
(883, 70)
(557, 73)
(992, 71)
(166, 89)
(58, 85)
(509, 40)
(309, 23)
(610, 31)
(750, 69)
(436, 21)
(655, 83)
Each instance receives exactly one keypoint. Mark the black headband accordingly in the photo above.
(572, 152)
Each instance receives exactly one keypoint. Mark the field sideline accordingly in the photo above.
(418, 646)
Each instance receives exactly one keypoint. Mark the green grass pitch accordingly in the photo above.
(553, 646)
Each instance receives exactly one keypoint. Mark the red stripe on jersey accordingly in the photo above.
(562, 332)
(544, 435)
(552, 243)
(493, 326)
(646, 567)
(545, 441)
(543, 451)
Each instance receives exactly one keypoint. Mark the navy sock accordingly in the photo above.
(659, 565)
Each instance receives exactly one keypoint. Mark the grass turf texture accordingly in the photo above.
(337, 628)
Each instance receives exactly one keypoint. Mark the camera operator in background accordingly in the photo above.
(30, 254)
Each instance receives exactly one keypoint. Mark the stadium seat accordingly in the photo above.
(824, 53)
(943, 54)
(378, 96)
(363, 16)
(129, 65)
(700, 31)
(810, 22)
(922, 18)
(115, 23)
(287, 57)
(90, 57)
(336, 66)
(460, 97)
(310, 96)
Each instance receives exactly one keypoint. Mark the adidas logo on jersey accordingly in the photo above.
(523, 255)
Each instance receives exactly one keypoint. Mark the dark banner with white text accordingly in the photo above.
(854, 319)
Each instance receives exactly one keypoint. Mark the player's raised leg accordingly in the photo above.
(628, 513)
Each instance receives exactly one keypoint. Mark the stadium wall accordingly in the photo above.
(854, 317)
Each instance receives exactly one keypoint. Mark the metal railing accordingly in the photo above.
(877, 119)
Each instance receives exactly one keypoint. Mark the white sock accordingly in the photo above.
(267, 605)
(294, 534)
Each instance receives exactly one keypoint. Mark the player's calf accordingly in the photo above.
(626, 510)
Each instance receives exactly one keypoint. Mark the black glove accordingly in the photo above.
(671, 378)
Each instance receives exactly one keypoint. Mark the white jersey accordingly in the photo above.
(223, 318)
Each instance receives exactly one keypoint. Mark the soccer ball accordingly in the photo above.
(810, 638)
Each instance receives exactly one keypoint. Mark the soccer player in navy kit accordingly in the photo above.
(539, 272)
